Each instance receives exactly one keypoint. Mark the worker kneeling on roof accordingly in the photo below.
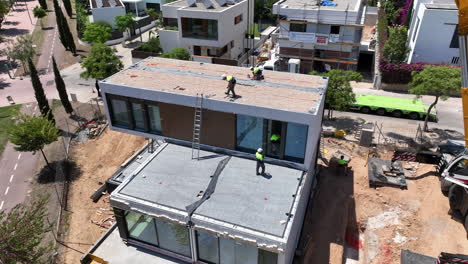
(257, 73)
(231, 84)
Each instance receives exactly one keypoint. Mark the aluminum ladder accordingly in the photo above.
(197, 125)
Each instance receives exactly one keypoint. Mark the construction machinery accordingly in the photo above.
(454, 169)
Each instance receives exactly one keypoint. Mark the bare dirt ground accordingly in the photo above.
(348, 222)
(96, 160)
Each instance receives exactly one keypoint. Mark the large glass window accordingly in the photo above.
(138, 116)
(120, 113)
(173, 237)
(296, 140)
(249, 133)
(154, 119)
(199, 28)
(208, 249)
(267, 257)
(234, 252)
(141, 227)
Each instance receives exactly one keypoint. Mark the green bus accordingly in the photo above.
(397, 107)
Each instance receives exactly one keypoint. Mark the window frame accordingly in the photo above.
(300, 25)
(188, 23)
(129, 101)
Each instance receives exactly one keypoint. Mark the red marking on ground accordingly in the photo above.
(386, 253)
(160, 182)
(265, 198)
(133, 76)
(352, 240)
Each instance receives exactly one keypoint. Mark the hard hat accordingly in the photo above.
(223, 76)
(259, 150)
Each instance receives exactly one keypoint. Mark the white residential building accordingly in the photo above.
(432, 36)
(321, 36)
(209, 29)
(107, 10)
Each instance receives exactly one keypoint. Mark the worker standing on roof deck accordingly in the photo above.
(260, 163)
(231, 84)
(257, 73)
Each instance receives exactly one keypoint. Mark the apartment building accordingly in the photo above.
(321, 37)
(212, 30)
(433, 36)
(202, 202)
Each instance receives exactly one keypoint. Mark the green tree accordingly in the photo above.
(340, 94)
(81, 17)
(40, 13)
(177, 53)
(4, 8)
(125, 23)
(22, 50)
(22, 231)
(439, 81)
(152, 45)
(395, 49)
(66, 37)
(62, 91)
(97, 33)
(43, 4)
(68, 7)
(39, 92)
(101, 62)
(32, 133)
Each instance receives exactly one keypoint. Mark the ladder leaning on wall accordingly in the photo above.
(197, 125)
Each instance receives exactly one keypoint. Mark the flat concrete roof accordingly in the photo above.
(279, 90)
(341, 5)
(241, 198)
(441, 4)
(200, 6)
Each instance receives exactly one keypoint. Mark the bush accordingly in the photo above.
(399, 73)
(153, 45)
(395, 49)
(177, 53)
(81, 18)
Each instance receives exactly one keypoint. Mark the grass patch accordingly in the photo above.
(6, 120)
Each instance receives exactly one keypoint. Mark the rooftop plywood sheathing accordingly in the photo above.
(279, 90)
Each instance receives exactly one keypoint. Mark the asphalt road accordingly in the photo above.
(17, 169)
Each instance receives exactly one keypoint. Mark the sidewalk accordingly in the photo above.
(17, 22)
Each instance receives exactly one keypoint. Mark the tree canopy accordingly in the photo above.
(340, 94)
(61, 88)
(101, 62)
(439, 81)
(395, 49)
(177, 53)
(39, 12)
(32, 133)
(22, 50)
(97, 33)
(22, 230)
(124, 22)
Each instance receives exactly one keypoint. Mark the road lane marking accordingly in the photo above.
(19, 156)
(1, 205)
(7, 189)
(11, 177)
(16, 165)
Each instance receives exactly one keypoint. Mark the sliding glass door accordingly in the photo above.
(249, 134)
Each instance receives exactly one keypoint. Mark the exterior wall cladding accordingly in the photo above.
(219, 130)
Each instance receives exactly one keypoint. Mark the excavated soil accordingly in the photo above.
(97, 160)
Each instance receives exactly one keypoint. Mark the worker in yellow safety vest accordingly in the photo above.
(260, 164)
(275, 143)
(342, 161)
(231, 84)
(257, 73)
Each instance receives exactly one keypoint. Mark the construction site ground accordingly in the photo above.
(349, 222)
(96, 160)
